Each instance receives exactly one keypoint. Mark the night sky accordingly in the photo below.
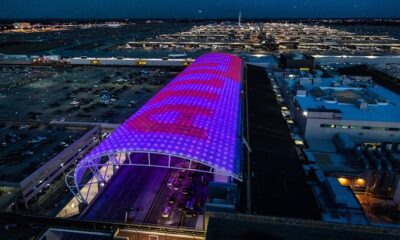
(198, 8)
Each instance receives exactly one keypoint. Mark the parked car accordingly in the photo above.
(166, 212)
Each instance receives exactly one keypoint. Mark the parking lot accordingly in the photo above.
(88, 94)
(25, 148)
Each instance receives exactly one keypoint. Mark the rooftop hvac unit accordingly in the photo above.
(388, 147)
(361, 104)
(301, 92)
(343, 141)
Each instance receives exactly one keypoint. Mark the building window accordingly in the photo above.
(359, 127)
(378, 128)
(327, 125)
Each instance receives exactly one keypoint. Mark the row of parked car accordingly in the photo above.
(182, 196)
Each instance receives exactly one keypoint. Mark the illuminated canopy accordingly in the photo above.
(196, 116)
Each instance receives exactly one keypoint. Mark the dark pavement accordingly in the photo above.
(279, 184)
(134, 188)
(142, 193)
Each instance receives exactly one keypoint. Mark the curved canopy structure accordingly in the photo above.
(196, 116)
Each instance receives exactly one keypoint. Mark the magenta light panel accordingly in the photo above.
(195, 116)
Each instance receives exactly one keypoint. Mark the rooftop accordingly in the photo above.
(195, 116)
(383, 104)
(275, 185)
(260, 227)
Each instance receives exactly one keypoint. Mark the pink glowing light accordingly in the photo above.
(196, 116)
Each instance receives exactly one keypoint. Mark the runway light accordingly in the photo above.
(343, 181)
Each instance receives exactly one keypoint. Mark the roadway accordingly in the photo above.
(185, 192)
(141, 194)
(133, 189)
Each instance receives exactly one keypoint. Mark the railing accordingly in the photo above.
(73, 180)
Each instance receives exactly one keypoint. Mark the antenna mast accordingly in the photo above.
(240, 17)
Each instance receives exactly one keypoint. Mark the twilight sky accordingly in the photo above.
(197, 8)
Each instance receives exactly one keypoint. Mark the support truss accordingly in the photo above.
(99, 170)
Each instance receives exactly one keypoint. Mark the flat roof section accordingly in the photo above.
(234, 229)
(344, 99)
(279, 186)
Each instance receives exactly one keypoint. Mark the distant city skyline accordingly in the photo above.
(92, 9)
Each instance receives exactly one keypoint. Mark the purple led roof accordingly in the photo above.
(195, 116)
